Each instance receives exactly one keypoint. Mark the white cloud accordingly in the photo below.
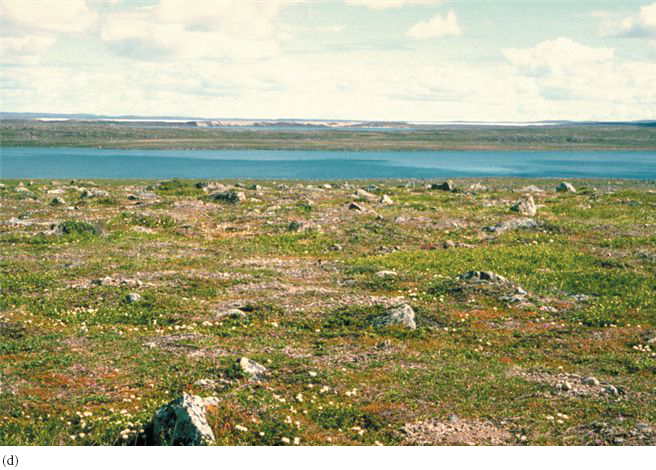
(556, 56)
(436, 27)
(386, 4)
(72, 16)
(217, 29)
(642, 24)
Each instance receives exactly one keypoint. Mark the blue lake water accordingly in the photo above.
(59, 162)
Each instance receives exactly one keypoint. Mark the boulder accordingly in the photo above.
(133, 297)
(565, 187)
(252, 369)
(446, 186)
(361, 193)
(354, 206)
(386, 274)
(57, 201)
(401, 315)
(525, 206)
(385, 200)
(88, 193)
(184, 421)
(231, 197)
(512, 224)
(487, 276)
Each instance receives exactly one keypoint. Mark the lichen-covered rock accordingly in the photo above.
(525, 206)
(401, 315)
(231, 197)
(252, 369)
(488, 276)
(565, 187)
(184, 422)
(512, 224)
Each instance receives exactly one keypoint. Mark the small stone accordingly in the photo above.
(133, 297)
(566, 386)
(233, 313)
(336, 247)
(565, 187)
(402, 315)
(384, 274)
(448, 244)
(453, 419)
(611, 390)
(591, 381)
(643, 428)
(296, 226)
(252, 369)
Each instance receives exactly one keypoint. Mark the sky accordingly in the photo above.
(351, 59)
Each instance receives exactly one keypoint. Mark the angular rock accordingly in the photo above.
(448, 244)
(385, 200)
(354, 206)
(446, 186)
(184, 422)
(401, 315)
(525, 206)
(232, 313)
(565, 187)
(252, 369)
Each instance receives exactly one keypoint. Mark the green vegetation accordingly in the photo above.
(85, 361)
(112, 135)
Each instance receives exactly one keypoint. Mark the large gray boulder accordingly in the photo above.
(487, 276)
(183, 422)
(525, 206)
(401, 315)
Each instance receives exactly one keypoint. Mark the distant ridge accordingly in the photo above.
(289, 122)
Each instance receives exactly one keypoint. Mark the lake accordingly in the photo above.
(42, 162)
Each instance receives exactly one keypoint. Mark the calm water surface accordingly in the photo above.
(41, 162)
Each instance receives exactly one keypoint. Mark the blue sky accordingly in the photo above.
(353, 59)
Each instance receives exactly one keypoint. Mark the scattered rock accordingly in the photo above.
(448, 244)
(591, 381)
(296, 226)
(361, 193)
(453, 433)
(477, 187)
(531, 189)
(184, 422)
(336, 247)
(231, 197)
(252, 369)
(525, 206)
(57, 201)
(133, 297)
(384, 274)
(446, 186)
(565, 187)
(89, 193)
(487, 276)
(354, 206)
(512, 224)
(232, 313)
(385, 200)
(402, 315)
